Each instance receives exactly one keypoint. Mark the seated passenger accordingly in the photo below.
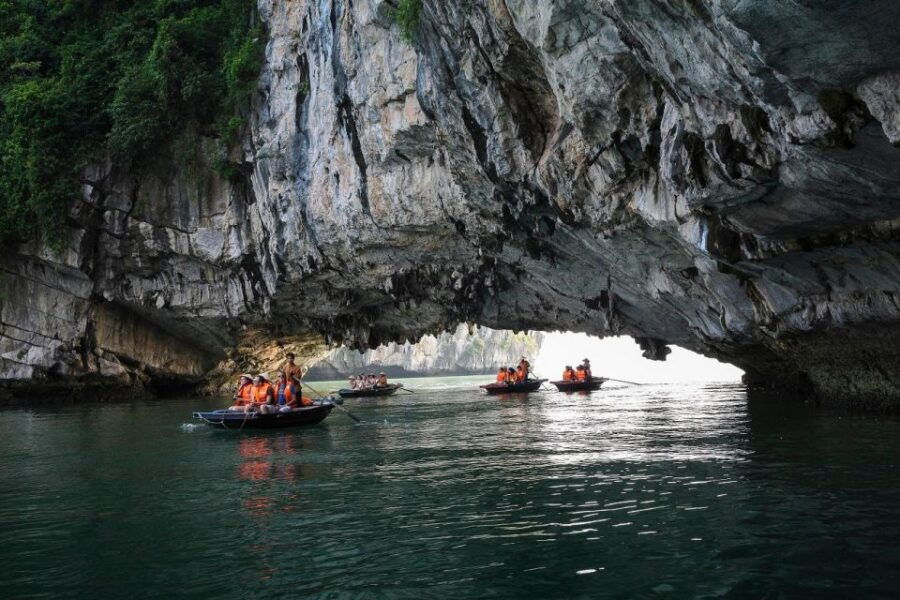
(501, 375)
(510, 376)
(288, 395)
(243, 395)
(521, 374)
(371, 380)
(580, 374)
(351, 382)
(382, 380)
(525, 366)
(569, 373)
(263, 396)
(285, 394)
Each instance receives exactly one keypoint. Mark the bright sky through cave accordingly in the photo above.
(620, 357)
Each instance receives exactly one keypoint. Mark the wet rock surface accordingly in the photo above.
(722, 175)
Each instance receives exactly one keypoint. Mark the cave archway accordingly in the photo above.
(473, 350)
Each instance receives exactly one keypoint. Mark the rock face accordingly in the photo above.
(718, 174)
(483, 350)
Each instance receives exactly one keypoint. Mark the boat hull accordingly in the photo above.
(579, 386)
(523, 387)
(223, 419)
(370, 393)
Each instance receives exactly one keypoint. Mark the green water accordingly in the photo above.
(652, 492)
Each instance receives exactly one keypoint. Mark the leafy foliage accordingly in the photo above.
(82, 79)
(407, 17)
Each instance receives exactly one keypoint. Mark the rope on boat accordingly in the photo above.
(243, 422)
(207, 421)
(221, 422)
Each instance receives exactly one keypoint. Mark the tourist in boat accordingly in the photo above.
(361, 381)
(285, 393)
(521, 374)
(568, 373)
(587, 369)
(351, 382)
(263, 396)
(525, 366)
(243, 395)
(371, 380)
(502, 375)
(511, 377)
(580, 373)
(288, 395)
(382, 381)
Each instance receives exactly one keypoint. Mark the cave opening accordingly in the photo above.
(471, 350)
(621, 357)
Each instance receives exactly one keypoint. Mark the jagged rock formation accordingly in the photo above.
(481, 350)
(718, 174)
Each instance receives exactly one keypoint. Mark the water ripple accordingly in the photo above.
(682, 491)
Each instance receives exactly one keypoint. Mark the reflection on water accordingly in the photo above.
(660, 491)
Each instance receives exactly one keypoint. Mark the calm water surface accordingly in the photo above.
(641, 492)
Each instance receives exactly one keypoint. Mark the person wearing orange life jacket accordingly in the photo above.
(580, 374)
(510, 376)
(243, 395)
(521, 374)
(502, 375)
(524, 367)
(569, 373)
(285, 393)
(263, 396)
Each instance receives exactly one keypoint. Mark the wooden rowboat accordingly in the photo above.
(226, 419)
(580, 386)
(373, 392)
(521, 387)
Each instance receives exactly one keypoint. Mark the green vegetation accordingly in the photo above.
(83, 79)
(407, 17)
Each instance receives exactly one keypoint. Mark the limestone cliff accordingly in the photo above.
(481, 350)
(718, 174)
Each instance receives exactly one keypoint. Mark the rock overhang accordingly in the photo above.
(711, 175)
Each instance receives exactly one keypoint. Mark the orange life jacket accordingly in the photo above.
(501, 376)
(305, 401)
(244, 395)
(520, 374)
(568, 375)
(581, 375)
(288, 389)
(261, 392)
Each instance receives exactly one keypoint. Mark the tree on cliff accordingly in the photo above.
(82, 80)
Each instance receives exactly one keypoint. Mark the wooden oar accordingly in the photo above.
(338, 406)
(623, 381)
